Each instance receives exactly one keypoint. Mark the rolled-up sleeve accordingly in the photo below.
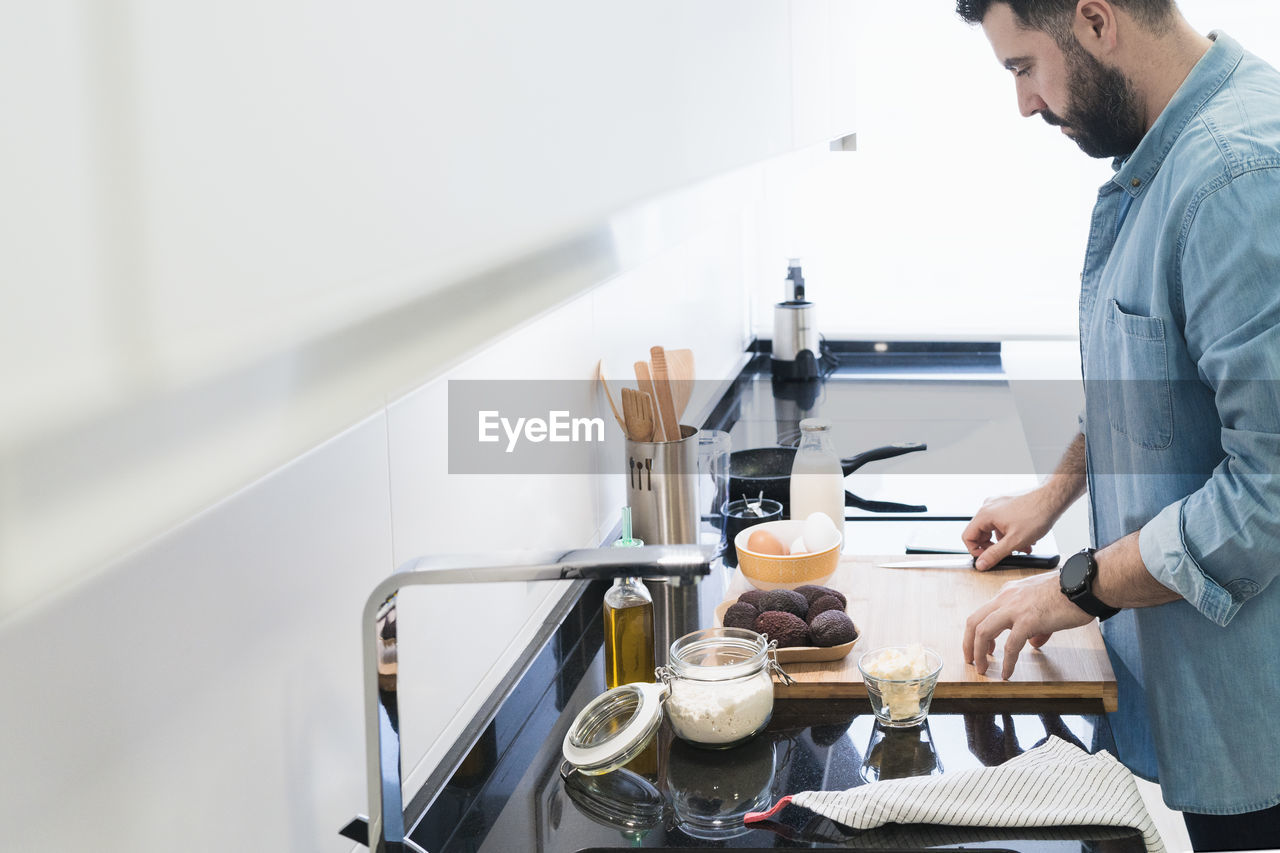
(1165, 553)
(1220, 545)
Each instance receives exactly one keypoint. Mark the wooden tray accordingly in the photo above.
(798, 654)
(903, 606)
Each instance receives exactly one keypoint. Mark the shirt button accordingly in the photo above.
(1136, 182)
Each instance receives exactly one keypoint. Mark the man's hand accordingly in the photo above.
(1017, 522)
(1030, 609)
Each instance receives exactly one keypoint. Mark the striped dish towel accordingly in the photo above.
(1055, 784)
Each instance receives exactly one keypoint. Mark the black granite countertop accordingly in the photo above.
(508, 792)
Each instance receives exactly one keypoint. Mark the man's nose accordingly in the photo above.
(1029, 103)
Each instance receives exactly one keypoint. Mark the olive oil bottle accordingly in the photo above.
(628, 633)
(628, 623)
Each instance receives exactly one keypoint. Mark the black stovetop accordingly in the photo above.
(954, 398)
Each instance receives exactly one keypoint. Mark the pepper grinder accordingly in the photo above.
(796, 343)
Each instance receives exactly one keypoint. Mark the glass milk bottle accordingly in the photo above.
(817, 479)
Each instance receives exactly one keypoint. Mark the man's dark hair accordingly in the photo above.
(1054, 16)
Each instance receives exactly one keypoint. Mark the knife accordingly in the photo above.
(1013, 561)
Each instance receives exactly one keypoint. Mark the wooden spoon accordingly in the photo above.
(662, 392)
(637, 409)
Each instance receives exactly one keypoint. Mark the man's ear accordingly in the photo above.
(1094, 26)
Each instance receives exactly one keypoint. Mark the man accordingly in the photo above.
(1180, 344)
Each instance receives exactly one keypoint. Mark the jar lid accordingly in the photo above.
(719, 654)
(614, 728)
(620, 800)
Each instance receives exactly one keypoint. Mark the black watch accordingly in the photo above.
(1076, 579)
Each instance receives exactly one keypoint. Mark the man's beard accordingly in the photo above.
(1104, 114)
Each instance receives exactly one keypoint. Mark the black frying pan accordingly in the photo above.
(768, 470)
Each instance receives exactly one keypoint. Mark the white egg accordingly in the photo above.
(820, 532)
(798, 546)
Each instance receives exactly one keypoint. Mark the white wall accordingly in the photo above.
(689, 292)
(206, 687)
(956, 218)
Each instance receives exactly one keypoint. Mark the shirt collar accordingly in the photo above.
(1133, 174)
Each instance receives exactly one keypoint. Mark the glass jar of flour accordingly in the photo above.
(717, 692)
(721, 686)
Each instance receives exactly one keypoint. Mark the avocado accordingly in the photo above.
(785, 628)
(786, 600)
(831, 628)
(741, 615)
(812, 593)
(822, 604)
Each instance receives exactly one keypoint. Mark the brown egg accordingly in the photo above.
(764, 542)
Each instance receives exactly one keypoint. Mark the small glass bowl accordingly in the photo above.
(901, 703)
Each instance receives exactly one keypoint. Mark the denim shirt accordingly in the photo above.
(1180, 345)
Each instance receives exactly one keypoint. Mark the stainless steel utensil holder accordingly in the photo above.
(662, 489)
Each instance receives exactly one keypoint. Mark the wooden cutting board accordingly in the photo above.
(928, 605)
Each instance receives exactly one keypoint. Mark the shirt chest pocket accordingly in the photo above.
(1138, 398)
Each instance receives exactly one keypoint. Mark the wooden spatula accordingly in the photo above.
(645, 380)
(637, 409)
(662, 394)
(648, 415)
(680, 366)
(600, 376)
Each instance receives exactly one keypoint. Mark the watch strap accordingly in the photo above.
(1089, 603)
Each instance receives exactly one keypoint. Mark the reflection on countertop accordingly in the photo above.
(514, 792)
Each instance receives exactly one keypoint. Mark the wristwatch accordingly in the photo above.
(1076, 578)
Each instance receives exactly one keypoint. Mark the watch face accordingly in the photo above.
(1074, 576)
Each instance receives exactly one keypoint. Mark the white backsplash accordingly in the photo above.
(207, 686)
(691, 296)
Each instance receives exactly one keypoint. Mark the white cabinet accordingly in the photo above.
(233, 224)
(306, 163)
(822, 84)
(268, 172)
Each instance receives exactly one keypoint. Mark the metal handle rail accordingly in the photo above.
(383, 831)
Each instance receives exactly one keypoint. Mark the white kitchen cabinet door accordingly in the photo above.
(57, 315)
(229, 220)
(305, 164)
(822, 83)
(264, 172)
(261, 173)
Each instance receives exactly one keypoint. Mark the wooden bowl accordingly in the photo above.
(767, 571)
